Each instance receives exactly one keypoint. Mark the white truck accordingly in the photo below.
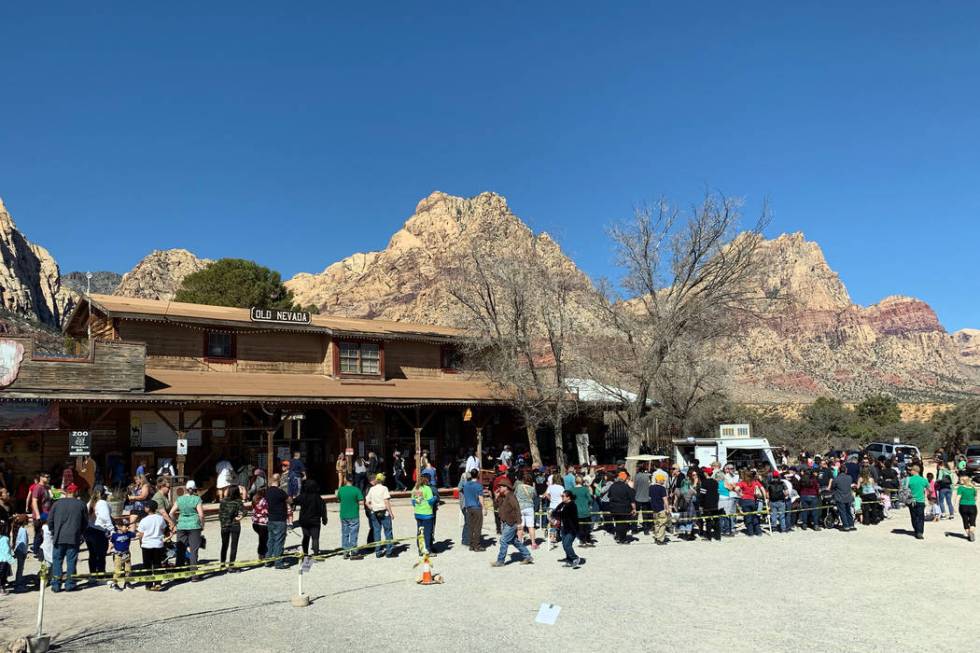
(734, 445)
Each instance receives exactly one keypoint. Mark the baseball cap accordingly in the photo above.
(379, 477)
(191, 485)
(71, 488)
(501, 468)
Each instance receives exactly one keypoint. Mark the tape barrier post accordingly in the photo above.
(302, 600)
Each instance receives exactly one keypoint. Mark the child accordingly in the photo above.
(20, 550)
(151, 533)
(931, 492)
(6, 557)
(857, 507)
(933, 512)
(121, 560)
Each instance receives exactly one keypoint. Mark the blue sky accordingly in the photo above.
(298, 133)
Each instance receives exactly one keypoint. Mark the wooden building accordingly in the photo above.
(246, 385)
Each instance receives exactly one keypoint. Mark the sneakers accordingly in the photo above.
(578, 563)
(527, 561)
(497, 563)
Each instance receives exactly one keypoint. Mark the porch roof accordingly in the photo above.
(239, 386)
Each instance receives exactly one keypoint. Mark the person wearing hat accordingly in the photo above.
(622, 505)
(378, 503)
(510, 517)
(67, 520)
(500, 477)
(100, 527)
(190, 522)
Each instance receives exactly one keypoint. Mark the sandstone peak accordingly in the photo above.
(794, 269)
(407, 280)
(159, 274)
(30, 282)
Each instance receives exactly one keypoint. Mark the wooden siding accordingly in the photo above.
(115, 367)
(178, 347)
(412, 360)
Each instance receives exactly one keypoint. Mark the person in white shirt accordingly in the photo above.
(225, 472)
(472, 462)
(506, 456)
(378, 504)
(150, 533)
(100, 527)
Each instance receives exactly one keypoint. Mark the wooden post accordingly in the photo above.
(418, 452)
(181, 460)
(348, 434)
(270, 457)
(479, 447)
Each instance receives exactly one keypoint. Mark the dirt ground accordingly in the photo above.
(875, 589)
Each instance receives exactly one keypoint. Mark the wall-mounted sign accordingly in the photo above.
(11, 355)
(181, 446)
(280, 316)
(79, 443)
(349, 451)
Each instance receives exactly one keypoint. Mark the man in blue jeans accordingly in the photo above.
(510, 518)
(278, 502)
(67, 519)
(350, 497)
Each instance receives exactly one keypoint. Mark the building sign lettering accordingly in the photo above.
(280, 316)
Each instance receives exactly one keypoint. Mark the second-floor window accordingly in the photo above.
(360, 358)
(220, 345)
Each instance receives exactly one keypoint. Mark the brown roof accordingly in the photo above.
(165, 383)
(155, 309)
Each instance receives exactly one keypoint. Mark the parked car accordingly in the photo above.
(876, 450)
(973, 457)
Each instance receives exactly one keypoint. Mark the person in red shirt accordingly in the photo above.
(498, 479)
(750, 491)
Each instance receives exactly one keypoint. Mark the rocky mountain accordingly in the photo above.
(30, 282)
(407, 280)
(159, 274)
(103, 283)
(812, 340)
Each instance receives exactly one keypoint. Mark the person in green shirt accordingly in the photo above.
(583, 503)
(350, 498)
(917, 509)
(966, 497)
(190, 521)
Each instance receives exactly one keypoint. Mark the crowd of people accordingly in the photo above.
(531, 507)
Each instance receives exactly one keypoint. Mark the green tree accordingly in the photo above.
(880, 410)
(236, 282)
(826, 423)
(959, 426)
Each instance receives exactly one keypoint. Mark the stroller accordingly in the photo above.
(829, 514)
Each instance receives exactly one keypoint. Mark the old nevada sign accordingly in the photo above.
(280, 316)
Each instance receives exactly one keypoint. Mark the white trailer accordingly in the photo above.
(740, 451)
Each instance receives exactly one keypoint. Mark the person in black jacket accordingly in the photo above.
(622, 505)
(312, 513)
(567, 515)
(708, 502)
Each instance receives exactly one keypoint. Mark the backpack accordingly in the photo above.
(944, 481)
(777, 491)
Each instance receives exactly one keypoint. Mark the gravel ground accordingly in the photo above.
(872, 590)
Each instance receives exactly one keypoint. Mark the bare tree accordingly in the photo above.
(687, 285)
(518, 298)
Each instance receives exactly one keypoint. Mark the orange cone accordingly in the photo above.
(428, 578)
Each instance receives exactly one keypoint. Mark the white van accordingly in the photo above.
(742, 452)
(876, 450)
